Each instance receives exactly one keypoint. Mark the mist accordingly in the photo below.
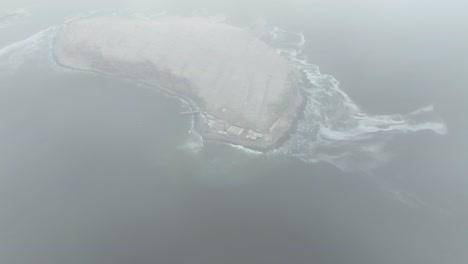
(97, 169)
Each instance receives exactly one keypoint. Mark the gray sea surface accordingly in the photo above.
(95, 169)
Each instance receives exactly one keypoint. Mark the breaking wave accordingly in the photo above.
(333, 128)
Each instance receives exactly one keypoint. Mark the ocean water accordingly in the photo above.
(101, 170)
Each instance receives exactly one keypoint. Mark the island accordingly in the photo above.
(240, 89)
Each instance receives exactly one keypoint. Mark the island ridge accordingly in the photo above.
(240, 89)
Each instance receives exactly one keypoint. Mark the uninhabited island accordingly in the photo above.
(240, 89)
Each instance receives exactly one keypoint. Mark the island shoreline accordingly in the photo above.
(198, 125)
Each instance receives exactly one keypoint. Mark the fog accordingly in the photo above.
(95, 169)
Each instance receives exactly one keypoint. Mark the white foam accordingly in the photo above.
(194, 142)
(246, 150)
(334, 129)
(15, 54)
(9, 18)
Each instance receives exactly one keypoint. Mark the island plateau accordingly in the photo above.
(240, 90)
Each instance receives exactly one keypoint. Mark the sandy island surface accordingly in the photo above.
(241, 90)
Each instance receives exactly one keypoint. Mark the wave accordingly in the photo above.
(333, 128)
(16, 54)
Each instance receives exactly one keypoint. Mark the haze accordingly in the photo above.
(99, 169)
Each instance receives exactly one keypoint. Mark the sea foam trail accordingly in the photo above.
(333, 128)
(14, 55)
